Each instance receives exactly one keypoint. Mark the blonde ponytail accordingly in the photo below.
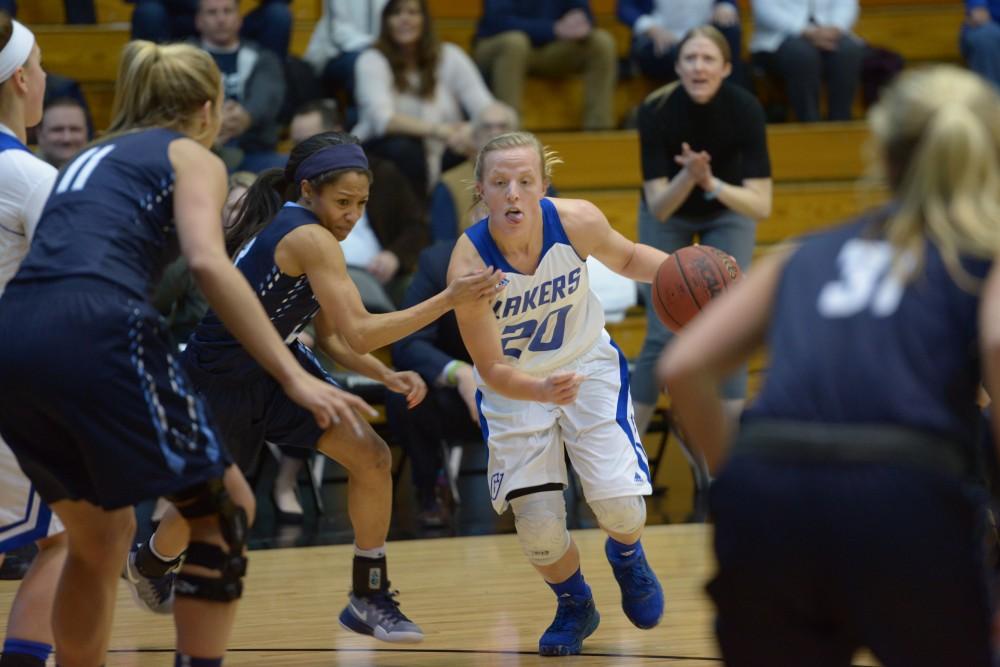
(162, 86)
(938, 132)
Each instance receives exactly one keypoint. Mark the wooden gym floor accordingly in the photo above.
(477, 599)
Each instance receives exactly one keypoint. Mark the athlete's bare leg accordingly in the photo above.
(369, 480)
(31, 612)
(98, 542)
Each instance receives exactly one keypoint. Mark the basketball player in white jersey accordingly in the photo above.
(25, 183)
(548, 374)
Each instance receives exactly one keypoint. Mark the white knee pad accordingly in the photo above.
(540, 519)
(623, 515)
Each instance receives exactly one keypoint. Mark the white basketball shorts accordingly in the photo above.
(24, 518)
(526, 439)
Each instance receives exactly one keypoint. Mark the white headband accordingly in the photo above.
(17, 51)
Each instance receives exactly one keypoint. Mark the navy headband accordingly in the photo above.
(339, 156)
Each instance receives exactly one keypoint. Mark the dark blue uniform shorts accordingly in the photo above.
(93, 401)
(252, 410)
(816, 560)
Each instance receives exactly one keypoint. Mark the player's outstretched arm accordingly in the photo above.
(482, 339)
(591, 234)
(312, 250)
(329, 340)
(199, 192)
(711, 347)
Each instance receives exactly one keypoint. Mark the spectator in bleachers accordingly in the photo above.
(62, 132)
(706, 174)
(414, 94)
(452, 206)
(806, 42)
(270, 24)
(254, 84)
(980, 39)
(658, 26)
(346, 28)
(77, 11)
(381, 251)
(239, 183)
(550, 38)
(448, 413)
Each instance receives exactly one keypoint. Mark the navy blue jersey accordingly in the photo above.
(287, 300)
(851, 343)
(110, 217)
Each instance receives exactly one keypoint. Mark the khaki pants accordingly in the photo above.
(509, 57)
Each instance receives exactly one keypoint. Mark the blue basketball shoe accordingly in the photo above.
(378, 615)
(576, 619)
(642, 595)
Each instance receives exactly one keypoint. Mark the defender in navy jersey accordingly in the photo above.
(93, 403)
(287, 235)
(850, 512)
(549, 376)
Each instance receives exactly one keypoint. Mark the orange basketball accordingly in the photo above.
(688, 280)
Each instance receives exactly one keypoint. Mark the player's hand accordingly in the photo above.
(484, 283)
(329, 405)
(724, 14)
(561, 388)
(409, 384)
(467, 390)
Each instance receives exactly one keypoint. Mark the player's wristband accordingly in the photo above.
(451, 371)
(714, 192)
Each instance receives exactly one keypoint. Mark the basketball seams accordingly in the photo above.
(714, 257)
(663, 306)
(687, 283)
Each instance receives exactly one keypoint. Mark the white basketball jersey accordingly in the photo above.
(551, 317)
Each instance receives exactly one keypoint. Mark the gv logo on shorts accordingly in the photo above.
(495, 485)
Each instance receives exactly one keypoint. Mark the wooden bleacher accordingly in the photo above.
(921, 30)
(815, 167)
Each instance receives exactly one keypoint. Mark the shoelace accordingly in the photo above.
(568, 614)
(160, 586)
(639, 576)
(387, 607)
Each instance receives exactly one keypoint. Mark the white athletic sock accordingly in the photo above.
(377, 552)
(152, 549)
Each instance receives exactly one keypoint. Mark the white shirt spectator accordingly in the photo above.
(677, 16)
(25, 183)
(460, 88)
(775, 20)
(346, 25)
(615, 292)
(361, 245)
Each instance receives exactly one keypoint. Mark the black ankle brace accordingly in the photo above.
(150, 565)
(370, 575)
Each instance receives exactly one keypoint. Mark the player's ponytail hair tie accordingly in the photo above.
(17, 50)
(332, 158)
